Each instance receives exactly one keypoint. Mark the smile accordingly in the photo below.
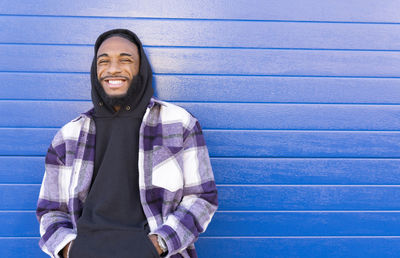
(115, 83)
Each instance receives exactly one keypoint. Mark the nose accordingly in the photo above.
(114, 67)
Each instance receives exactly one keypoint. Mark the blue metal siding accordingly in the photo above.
(299, 102)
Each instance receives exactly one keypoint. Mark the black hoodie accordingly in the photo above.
(113, 223)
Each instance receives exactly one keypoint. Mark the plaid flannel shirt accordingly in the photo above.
(176, 182)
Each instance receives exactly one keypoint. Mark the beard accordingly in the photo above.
(118, 100)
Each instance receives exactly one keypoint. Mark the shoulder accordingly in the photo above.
(171, 113)
(73, 129)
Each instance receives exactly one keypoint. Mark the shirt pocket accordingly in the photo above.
(167, 172)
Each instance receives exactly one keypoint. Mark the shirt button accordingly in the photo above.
(100, 103)
(128, 108)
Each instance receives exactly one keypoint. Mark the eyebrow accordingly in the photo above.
(125, 54)
(106, 55)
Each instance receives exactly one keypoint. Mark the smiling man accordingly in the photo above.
(130, 177)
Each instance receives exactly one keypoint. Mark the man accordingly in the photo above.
(130, 177)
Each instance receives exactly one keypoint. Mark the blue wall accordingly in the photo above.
(299, 101)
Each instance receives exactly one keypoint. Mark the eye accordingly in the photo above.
(103, 61)
(126, 60)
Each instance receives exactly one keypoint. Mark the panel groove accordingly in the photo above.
(178, 102)
(255, 211)
(210, 47)
(22, 155)
(197, 19)
(207, 47)
(246, 130)
(255, 158)
(262, 75)
(304, 237)
(216, 75)
(298, 185)
(254, 185)
(395, 132)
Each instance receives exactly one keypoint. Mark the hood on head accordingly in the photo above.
(141, 85)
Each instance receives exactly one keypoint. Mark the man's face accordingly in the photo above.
(117, 62)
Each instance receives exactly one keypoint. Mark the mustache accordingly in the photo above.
(113, 77)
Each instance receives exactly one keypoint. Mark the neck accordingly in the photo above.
(117, 108)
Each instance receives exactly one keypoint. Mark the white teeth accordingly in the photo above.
(115, 82)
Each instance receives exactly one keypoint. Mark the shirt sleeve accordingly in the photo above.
(56, 228)
(199, 202)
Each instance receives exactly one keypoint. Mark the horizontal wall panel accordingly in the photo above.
(281, 197)
(306, 171)
(277, 89)
(298, 247)
(250, 247)
(19, 224)
(44, 86)
(312, 224)
(26, 199)
(212, 61)
(21, 247)
(294, 116)
(21, 141)
(29, 170)
(71, 86)
(363, 11)
(45, 58)
(27, 113)
(243, 143)
(21, 170)
(68, 30)
(261, 197)
(275, 62)
(262, 224)
(242, 116)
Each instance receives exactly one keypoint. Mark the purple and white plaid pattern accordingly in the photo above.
(176, 182)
